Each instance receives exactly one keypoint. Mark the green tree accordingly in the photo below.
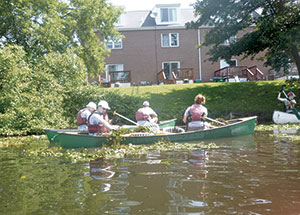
(42, 27)
(277, 29)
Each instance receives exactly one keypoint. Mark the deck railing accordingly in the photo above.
(120, 76)
(231, 71)
(251, 73)
(176, 74)
(257, 73)
(114, 77)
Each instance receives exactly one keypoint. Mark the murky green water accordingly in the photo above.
(257, 174)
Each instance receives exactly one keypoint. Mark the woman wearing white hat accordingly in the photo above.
(98, 122)
(83, 114)
(146, 114)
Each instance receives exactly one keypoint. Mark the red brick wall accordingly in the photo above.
(143, 55)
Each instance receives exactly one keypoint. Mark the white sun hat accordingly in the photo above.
(146, 104)
(92, 105)
(104, 104)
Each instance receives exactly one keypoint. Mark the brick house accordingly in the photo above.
(156, 42)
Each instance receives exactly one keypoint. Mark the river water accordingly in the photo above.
(257, 174)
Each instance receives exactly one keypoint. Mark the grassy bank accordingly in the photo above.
(226, 100)
(28, 115)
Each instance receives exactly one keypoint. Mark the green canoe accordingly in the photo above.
(237, 127)
(52, 133)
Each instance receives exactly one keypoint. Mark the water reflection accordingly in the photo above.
(101, 169)
(243, 176)
(257, 174)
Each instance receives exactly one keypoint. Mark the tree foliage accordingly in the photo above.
(276, 23)
(30, 97)
(42, 27)
(47, 48)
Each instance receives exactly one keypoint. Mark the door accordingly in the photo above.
(168, 67)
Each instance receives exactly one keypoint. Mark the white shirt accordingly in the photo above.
(97, 118)
(85, 113)
(149, 111)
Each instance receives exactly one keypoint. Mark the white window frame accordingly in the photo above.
(229, 41)
(173, 15)
(119, 67)
(170, 69)
(223, 63)
(169, 39)
(114, 43)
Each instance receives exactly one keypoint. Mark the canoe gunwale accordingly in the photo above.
(234, 122)
(237, 127)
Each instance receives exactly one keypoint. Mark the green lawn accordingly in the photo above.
(224, 100)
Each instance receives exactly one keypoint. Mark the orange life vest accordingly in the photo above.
(81, 120)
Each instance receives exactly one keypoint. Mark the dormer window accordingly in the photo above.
(168, 15)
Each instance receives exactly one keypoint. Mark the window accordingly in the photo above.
(114, 43)
(113, 68)
(168, 15)
(168, 67)
(229, 41)
(170, 40)
(223, 63)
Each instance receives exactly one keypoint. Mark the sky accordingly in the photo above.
(148, 4)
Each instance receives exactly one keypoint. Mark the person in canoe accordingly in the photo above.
(194, 116)
(146, 114)
(289, 102)
(98, 121)
(83, 114)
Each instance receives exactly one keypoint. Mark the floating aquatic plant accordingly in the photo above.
(38, 147)
(272, 127)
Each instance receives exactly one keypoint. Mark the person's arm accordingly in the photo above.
(185, 115)
(105, 123)
(184, 119)
(152, 112)
(280, 99)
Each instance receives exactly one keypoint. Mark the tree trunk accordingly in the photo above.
(296, 56)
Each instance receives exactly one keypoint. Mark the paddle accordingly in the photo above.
(213, 120)
(296, 112)
(152, 126)
(115, 113)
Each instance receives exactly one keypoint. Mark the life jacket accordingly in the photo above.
(98, 128)
(81, 120)
(196, 111)
(141, 115)
(289, 105)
